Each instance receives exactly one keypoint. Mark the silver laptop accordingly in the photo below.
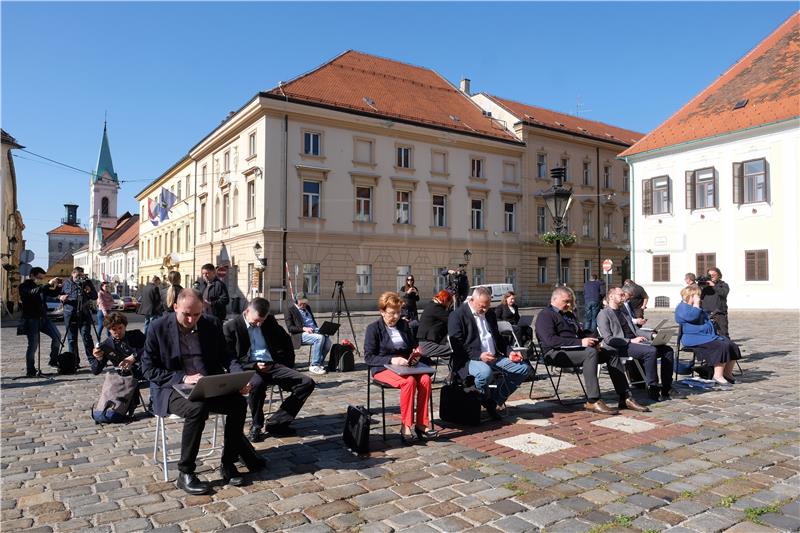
(419, 368)
(662, 337)
(216, 385)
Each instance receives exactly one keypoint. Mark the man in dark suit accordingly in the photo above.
(150, 303)
(478, 349)
(259, 343)
(181, 348)
(556, 328)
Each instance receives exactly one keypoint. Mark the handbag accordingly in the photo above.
(116, 399)
(356, 429)
(460, 406)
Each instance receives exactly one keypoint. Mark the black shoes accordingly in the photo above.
(654, 393)
(188, 482)
(255, 435)
(406, 438)
(231, 475)
(425, 434)
(491, 408)
(672, 394)
(281, 430)
(254, 463)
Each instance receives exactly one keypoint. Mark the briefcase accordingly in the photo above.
(356, 429)
(459, 406)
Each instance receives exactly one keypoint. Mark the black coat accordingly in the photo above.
(433, 324)
(294, 323)
(132, 344)
(237, 341)
(379, 348)
(465, 338)
(411, 298)
(503, 312)
(150, 302)
(33, 297)
(554, 330)
(162, 363)
(217, 295)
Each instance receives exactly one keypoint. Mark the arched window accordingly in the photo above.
(104, 206)
(235, 210)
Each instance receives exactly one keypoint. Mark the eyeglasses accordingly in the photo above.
(409, 279)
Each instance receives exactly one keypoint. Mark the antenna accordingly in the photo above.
(579, 107)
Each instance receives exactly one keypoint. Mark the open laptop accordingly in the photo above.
(662, 337)
(328, 328)
(657, 327)
(212, 386)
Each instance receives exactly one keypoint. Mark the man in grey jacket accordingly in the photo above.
(620, 333)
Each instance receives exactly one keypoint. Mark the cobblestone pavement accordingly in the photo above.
(717, 461)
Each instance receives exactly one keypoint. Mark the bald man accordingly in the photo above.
(182, 347)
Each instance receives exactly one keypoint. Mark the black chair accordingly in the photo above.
(371, 382)
(693, 366)
(559, 360)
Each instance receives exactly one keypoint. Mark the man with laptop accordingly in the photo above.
(619, 332)
(186, 362)
(258, 342)
(303, 327)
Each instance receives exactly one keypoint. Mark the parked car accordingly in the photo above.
(118, 304)
(55, 309)
(130, 303)
(498, 290)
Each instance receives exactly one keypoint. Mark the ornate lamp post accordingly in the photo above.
(258, 250)
(467, 256)
(558, 200)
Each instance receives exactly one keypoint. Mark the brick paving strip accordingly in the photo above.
(718, 461)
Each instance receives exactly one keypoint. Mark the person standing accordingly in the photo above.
(174, 289)
(34, 316)
(76, 294)
(594, 291)
(714, 300)
(150, 302)
(215, 293)
(105, 303)
(638, 298)
(410, 296)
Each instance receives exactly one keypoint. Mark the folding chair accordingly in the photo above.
(272, 393)
(562, 362)
(371, 382)
(161, 442)
(679, 347)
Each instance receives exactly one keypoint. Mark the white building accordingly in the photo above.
(716, 184)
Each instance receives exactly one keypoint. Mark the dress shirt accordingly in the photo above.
(258, 344)
(308, 322)
(487, 342)
(191, 351)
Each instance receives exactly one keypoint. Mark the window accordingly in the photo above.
(607, 176)
(402, 272)
(311, 143)
(438, 162)
(226, 162)
(178, 195)
(541, 165)
(656, 196)
(660, 268)
(626, 226)
(188, 239)
(363, 279)
(311, 199)
(626, 186)
(404, 156)
(477, 214)
(204, 175)
(250, 283)
(586, 226)
(364, 204)
(439, 279)
(607, 225)
(756, 265)
(703, 262)
(235, 207)
(251, 199)
(226, 210)
(477, 168)
(511, 276)
(362, 151)
(60, 246)
(541, 219)
(403, 207)
(104, 206)
(587, 173)
(510, 218)
(311, 278)
(750, 182)
(701, 189)
(541, 270)
(188, 191)
(565, 271)
(171, 242)
(478, 276)
(203, 217)
(439, 211)
(565, 166)
(178, 240)
(251, 144)
(587, 270)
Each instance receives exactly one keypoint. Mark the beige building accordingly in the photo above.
(364, 170)
(11, 227)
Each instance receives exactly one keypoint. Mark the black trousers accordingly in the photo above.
(590, 358)
(195, 415)
(300, 387)
(648, 355)
(721, 322)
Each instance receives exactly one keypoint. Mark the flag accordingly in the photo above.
(152, 211)
(165, 201)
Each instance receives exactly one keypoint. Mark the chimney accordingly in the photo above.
(464, 87)
(72, 215)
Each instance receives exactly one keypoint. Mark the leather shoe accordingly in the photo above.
(254, 463)
(654, 393)
(188, 482)
(231, 475)
(600, 407)
(255, 435)
(630, 403)
(281, 430)
(672, 394)
(491, 408)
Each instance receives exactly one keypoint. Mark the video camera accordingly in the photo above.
(702, 280)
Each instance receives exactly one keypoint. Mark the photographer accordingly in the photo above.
(457, 283)
(122, 348)
(714, 299)
(76, 294)
(34, 316)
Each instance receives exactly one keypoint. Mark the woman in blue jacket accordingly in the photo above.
(699, 334)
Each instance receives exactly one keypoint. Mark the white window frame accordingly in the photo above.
(477, 221)
(478, 275)
(404, 157)
(402, 211)
(363, 203)
(311, 199)
(311, 278)
(312, 143)
(541, 166)
(439, 211)
(754, 190)
(251, 144)
(402, 272)
(251, 199)
(509, 217)
(363, 279)
(477, 170)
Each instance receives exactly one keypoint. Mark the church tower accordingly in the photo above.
(103, 188)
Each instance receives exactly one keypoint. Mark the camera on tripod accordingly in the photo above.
(702, 280)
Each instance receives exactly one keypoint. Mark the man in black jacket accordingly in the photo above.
(564, 342)
(150, 302)
(76, 294)
(181, 348)
(304, 329)
(478, 349)
(214, 291)
(714, 300)
(259, 343)
(34, 316)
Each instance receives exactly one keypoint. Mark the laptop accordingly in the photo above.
(662, 337)
(216, 385)
(419, 368)
(328, 328)
(657, 327)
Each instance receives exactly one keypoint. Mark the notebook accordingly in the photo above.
(328, 328)
(212, 386)
(419, 368)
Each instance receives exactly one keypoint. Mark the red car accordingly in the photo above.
(130, 304)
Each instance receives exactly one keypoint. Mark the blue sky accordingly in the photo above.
(168, 73)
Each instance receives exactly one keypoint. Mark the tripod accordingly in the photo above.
(39, 373)
(79, 314)
(341, 301)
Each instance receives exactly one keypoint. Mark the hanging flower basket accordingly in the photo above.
(550, 237)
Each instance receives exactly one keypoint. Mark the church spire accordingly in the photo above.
(105, 167)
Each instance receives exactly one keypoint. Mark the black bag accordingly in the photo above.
(459, 406)
(356, 429)
(67, 363)
(341, 359)
(117, 399)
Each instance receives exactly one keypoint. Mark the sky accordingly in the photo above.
(166, 74)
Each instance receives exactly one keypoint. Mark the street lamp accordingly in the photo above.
(258, 250)
(558, 200)
(467, 256)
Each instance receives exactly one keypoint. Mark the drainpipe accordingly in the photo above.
(284, 222)
(599, 250)
(631, 192)
(194, 223)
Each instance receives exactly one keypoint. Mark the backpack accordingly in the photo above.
(459, 402)
(341, 359)
(356, 429)
(67, 363)
(116, 402)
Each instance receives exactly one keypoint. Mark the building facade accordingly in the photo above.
(716, 184)
(11, 227)
(67, 238)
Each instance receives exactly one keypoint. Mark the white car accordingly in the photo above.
(119, 305)
(55, 309)
(498, 290)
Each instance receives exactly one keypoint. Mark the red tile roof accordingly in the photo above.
(371, 85)
(766, 80)
(125, 234)
(67, 229)
(552, 120)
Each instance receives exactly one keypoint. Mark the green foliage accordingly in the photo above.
(754, 513)
(550, 237)
(623, 520)
(727, 501)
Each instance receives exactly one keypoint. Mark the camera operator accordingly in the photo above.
(122, 348)
(714, 299)
(76, 294)
(457, 283)
(34, 316)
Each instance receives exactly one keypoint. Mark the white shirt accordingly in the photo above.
(487, 341)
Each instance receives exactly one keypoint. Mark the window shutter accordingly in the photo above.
(716, 188)
(766, 181)
(690, 190)
(749, 266)
(647, 197)
(738, 183)
(669, 194)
